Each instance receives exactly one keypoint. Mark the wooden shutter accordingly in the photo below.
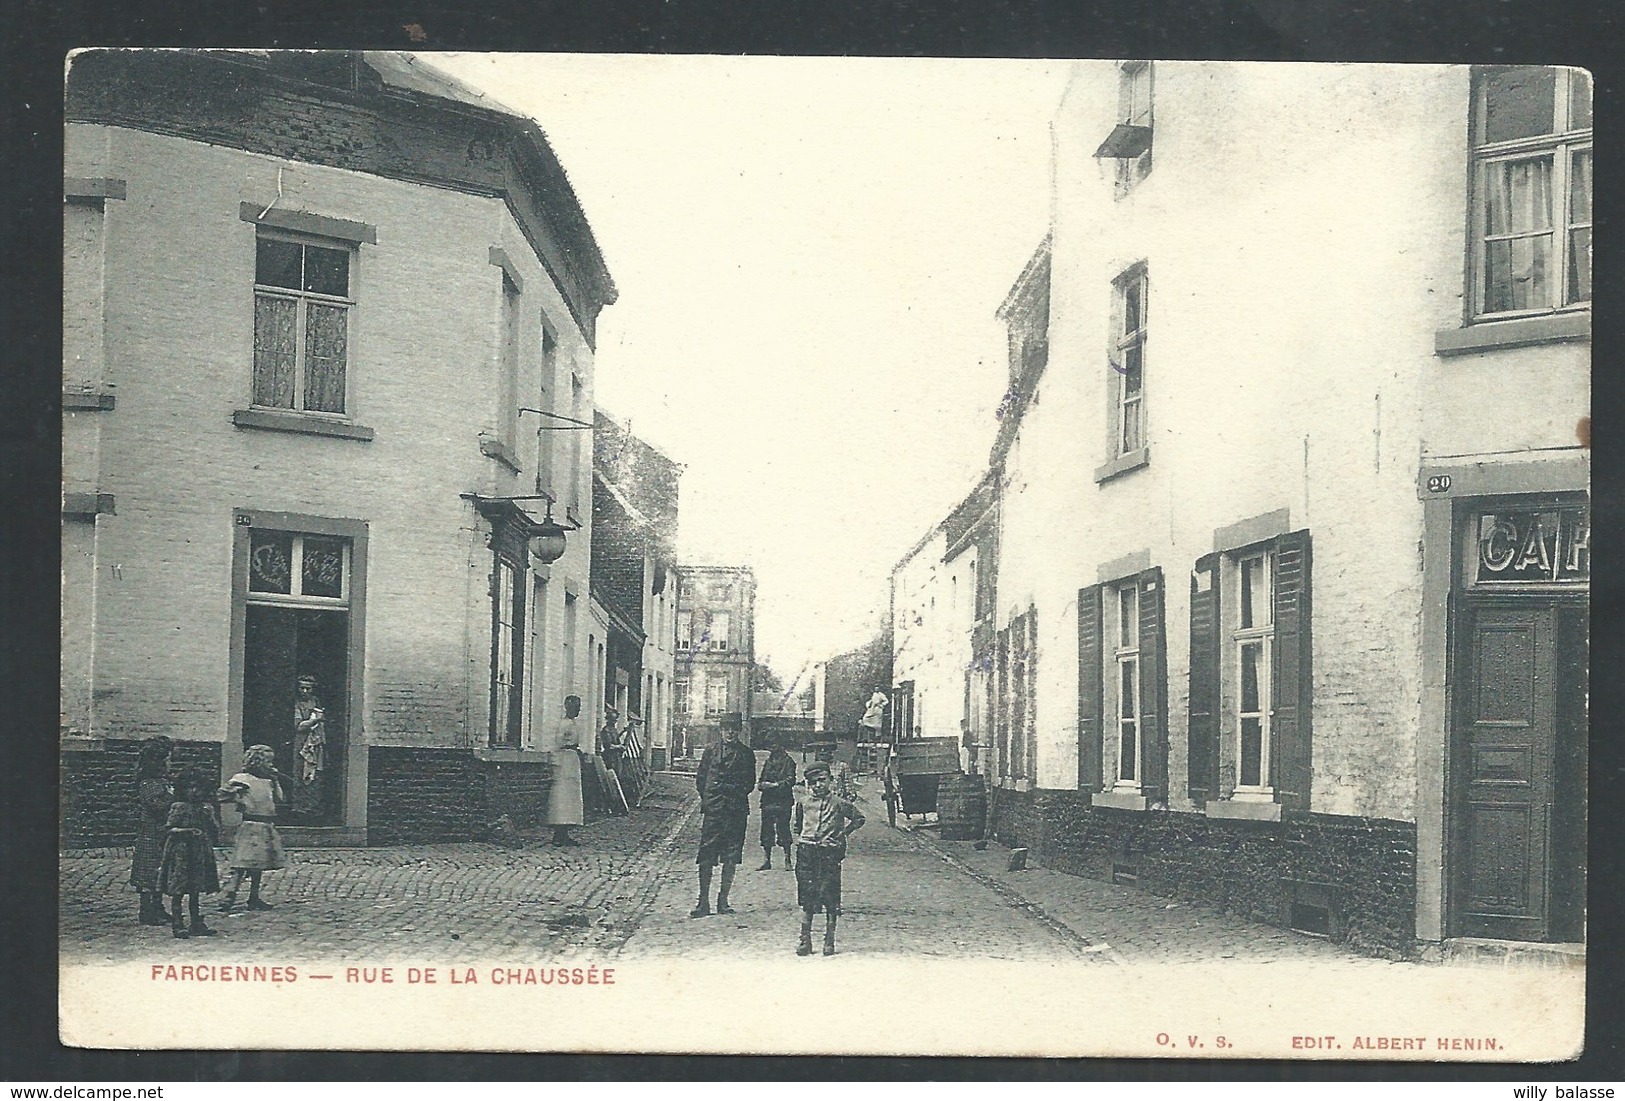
(1289, 725)
(1090, 729)
(1031, 747)
(1001, 693)
(1202, 736)
(1153, 688)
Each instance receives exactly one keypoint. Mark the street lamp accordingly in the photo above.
(548, 539)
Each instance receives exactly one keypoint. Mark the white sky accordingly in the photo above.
(809, 252)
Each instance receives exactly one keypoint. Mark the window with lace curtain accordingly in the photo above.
(1531, 235)
(302, 303)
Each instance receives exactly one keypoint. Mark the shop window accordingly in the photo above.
(1531, 237)
(302, 306)
(1122, 687)
(1249, 720)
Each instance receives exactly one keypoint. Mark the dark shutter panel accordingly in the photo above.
(1031, 728)
(1153, 688)
(1089, 689)
(1289, 724)
(1001, 710)
(1202, 737)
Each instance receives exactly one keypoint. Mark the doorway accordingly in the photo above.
(280, 645)
(1518, 807)
(298, 598)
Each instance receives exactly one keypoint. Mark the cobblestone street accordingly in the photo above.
(627, 892)
(464, 902)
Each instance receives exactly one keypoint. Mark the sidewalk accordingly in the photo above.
(469, 901)
(1122, 924)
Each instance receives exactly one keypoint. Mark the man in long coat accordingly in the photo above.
(725, 778)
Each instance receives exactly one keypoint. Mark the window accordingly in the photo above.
(508, 415)
(507, 652)
(1122, 691)
(1531, 234)
(302, 303)
(721, 628)
(721, 591)
(1123, 679)
(1126, 383)
(1250, 705)
(716, 698)
(1252, 639)
(578, 448)
(544, 437)
(685, 630)
(681, 696)
(1129, 143)
(307, 569)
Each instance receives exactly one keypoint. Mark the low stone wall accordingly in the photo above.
(1353, 879)
(98, 788)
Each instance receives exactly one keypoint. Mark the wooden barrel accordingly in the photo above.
(961, 807)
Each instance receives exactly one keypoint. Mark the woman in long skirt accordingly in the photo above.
(566, 806)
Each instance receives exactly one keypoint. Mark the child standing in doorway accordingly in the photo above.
(187, 868)
(259, 846)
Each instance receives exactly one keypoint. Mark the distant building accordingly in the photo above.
(716, 647)
(942, 627)
(845, 683)
(633, 579)
(312, 301)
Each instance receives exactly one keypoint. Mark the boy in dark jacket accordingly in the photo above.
(778, 780)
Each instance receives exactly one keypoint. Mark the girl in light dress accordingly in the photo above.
(259, 846)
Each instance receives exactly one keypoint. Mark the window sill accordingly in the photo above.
(1129, 460)
(1120, 800)
(86, 401)
(1517, 332)
(88, 504)
(493, 448)
(1243, 810)
(277, 420)
(508, 756)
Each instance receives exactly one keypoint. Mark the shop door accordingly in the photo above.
(281, 644)
(1514, 816)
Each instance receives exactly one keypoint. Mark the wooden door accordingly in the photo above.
(1505, 739)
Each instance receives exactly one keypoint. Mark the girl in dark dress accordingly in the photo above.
(153, 796)
(188, 867)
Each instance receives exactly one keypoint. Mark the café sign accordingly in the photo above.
(1537, 546)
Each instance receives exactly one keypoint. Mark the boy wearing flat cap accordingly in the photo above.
(822, 822)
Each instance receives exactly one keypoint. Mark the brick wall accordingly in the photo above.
(1255, 870)
(420, 795)
(98, 789)
(516, 788)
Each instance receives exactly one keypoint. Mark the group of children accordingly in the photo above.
(180, 828)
